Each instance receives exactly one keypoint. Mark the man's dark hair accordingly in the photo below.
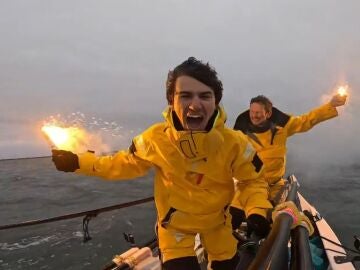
(264, 101)
(197, 70)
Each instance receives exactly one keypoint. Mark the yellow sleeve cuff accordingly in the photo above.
(86, 162)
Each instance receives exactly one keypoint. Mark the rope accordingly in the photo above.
(336, 251)
(90, 213)
(339, 245)
(24, 158)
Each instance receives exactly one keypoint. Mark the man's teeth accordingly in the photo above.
(194, 116)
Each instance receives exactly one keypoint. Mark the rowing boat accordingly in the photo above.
(283, 248)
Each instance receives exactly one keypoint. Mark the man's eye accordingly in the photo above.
(185, 96)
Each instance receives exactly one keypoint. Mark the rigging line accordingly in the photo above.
(24, 158)
(112, 152)
(336, 251)
(74, 215)
(339, 245)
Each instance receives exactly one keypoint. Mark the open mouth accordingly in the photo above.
(194, 121)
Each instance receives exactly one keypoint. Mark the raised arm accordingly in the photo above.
(122, 165)
(306, 121)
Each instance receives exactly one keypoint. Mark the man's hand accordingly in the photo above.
(338, 100)
(65, 161)
(258, 224)
(298, 217)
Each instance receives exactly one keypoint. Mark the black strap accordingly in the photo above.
(273, 129)
(167, 217)
(254, 138)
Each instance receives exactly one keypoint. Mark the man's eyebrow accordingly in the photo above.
(207, 92)
(181, 92)
(190, 92)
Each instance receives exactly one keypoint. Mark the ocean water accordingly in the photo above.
(32, 189)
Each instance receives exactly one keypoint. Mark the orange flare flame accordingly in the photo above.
(69, 138)
(342, 91)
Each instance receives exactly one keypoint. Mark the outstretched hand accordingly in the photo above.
(65, 161)
(338, 100)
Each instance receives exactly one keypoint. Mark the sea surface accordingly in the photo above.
(32, 189)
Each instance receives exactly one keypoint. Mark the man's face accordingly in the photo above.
(193, 103)
(258, 114)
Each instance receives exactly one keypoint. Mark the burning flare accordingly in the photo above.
(65, 138)
(342, 91)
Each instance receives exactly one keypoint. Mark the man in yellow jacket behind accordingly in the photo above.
(195, 158)
(267, 128)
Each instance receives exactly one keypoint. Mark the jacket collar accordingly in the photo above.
(195, 145)
(278, 118)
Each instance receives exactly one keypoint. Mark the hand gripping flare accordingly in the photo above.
(65, 161)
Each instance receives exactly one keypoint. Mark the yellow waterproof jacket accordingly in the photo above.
(194, 172)
(271, 142)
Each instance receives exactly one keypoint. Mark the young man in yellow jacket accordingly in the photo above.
(195, 158)
(267, 128)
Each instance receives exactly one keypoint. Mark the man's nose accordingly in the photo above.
(195, 103)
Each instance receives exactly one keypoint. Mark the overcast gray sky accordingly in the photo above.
(109, 60)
